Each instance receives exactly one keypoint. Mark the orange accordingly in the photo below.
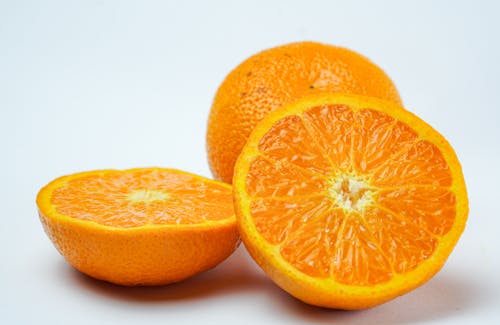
(277, 76)
(148, 226)
(348, 201)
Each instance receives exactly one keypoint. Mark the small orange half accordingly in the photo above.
(145, 226)
(348, 201)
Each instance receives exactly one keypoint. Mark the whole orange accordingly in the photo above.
(277, 76)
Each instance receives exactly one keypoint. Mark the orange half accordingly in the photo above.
(145, 226)
(348, 201)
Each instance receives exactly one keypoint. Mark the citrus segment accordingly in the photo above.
(332, 128)
(292, 180)
(375, 137)
(276, 219)
(309, 248)
(432, 208)
(405, 244)
(145, 226)
(284, 142)
(348, 201)
(422, 163)
(357, 258)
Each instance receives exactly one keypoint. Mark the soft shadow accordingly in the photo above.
(235, 275)
(446, 295)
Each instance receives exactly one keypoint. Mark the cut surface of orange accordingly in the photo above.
(348, 201)
(144, 226)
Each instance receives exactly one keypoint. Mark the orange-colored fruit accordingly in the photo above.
(277, 76)
(145, 226)
(348, 201)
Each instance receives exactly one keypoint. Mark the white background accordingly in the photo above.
(116, 84)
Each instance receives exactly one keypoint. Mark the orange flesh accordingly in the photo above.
(143, 197)
(352, 195)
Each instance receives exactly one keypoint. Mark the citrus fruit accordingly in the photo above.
(145, 226)
(347, 201)
(275, 77)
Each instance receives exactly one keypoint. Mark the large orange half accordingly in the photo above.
(348, 201)
(146, 226)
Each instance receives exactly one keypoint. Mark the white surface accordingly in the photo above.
(101, 84)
